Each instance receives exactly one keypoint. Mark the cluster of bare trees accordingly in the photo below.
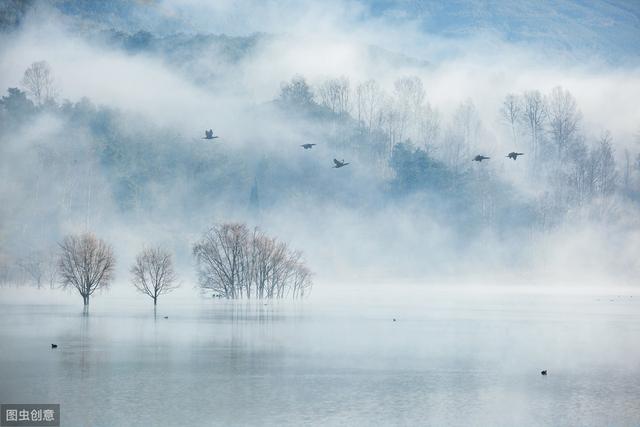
(233, 262)
(87, 264)
(593, 174)
(335, 95)
(403, 114)
(35, 267)
(547, 127)
(237, 262)
(40, 268)
(553, 119)
(579, 172)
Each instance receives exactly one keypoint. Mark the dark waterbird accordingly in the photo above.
(513, 155)
(208, 134)
(54, 345)
(480, 158)
(339, 164)
(543, 372)
(307, 146)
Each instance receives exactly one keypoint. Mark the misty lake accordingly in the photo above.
(458, 357)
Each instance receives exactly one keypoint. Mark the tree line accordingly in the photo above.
(233, 263)
(577, 168)
(399, 140)
(240, 263)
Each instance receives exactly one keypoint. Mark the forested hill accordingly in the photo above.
(427, 187)
(576, 30)
(94, 165)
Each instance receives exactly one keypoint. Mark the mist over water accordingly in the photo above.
(449, 358)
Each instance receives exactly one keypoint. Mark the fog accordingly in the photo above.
(163, 96)
(449, 358)
(426, 285)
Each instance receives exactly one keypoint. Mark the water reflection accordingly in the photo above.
(446, 360)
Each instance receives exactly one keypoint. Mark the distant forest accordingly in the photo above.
(98, 163)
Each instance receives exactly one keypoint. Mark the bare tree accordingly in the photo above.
(221, 259)
(262, 250)
(591, 174)
(236, 263)
(369, 100)
(38, 80)
(335, 95)
(579, 174)
(51, 267)
(391, 123)
(603, 157)
(428, 127)
(86, 263)
(33, 266)
(153, 273)
(40, 267)
(301, 281)
(511, 111)
(467, 120)
(563, 118)
(462, 136)
(409, 99)
(533, 117)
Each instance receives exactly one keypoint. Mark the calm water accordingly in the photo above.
(451, 358)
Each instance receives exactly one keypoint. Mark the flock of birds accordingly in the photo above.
(512, 155)
(208, 134)
(341, 163)
(337, 163)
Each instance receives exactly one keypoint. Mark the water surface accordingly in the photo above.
(450, 358)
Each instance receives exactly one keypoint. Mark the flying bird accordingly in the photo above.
(208, 134)
(339, 164)
(543, 372)
(513, 155)
(307, 146)
(54, 345)
(480, 158)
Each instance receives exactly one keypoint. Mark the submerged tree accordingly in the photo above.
(237, 263)
(153, 273)
(32, 266)
(40, 267)
(221, 259)
(86, 263)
